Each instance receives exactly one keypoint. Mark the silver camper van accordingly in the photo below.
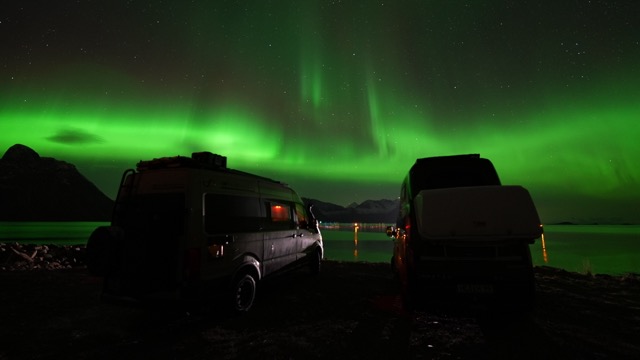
(461, 236)
(187, 227)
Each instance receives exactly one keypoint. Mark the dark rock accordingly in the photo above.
(35, 188)
(35, 257)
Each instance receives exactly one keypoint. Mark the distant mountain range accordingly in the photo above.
(35, 188)
(370, 211)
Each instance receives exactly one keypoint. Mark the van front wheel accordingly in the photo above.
(315, 262)
(244, 293)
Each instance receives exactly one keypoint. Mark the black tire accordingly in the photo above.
(243, 293)
(315, 262)
(394, 269)
(407, 296)
(102, 250)
(409, 293)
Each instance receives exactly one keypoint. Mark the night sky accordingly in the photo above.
(336, 98)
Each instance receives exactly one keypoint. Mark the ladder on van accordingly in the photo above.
(127, 189)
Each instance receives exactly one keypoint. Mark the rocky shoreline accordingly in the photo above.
(15, 256)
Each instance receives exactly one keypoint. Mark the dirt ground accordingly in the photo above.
(351, 311)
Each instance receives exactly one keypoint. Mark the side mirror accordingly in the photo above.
(313, 224)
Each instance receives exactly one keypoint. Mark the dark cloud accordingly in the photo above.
(74, 136)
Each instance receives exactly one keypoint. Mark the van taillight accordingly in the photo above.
(191, 264)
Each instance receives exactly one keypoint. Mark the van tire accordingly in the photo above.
(407, 296)
(315, 262)
(243, 293)
(102, 250)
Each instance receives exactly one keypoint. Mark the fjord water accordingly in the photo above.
(598, 249)
(47, 232)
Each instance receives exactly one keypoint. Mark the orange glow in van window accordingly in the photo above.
(279, 213)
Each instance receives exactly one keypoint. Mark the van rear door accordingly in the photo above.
(154, 227)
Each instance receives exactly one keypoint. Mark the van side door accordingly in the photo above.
(280, 235)
(232, 231)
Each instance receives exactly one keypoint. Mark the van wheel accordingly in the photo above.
(406, 296)
(394, 270)
(243, 293)
(315, 262)
(102, 250)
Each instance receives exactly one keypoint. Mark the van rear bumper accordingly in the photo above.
(484, 284)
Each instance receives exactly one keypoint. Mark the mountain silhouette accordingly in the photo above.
(369, 211)
(35, 188)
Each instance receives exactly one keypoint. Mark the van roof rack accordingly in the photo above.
(203, 159)
(198, 160)
(449, 157)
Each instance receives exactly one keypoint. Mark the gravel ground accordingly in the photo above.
(351, 311)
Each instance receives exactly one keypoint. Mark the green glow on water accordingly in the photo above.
(47, 233)
(596, 249)
(365, 246)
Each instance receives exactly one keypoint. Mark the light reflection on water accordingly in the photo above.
(357, 242)
(599, 249)
(545, 257)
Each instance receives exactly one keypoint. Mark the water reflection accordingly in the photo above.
(544, 249)
(355, 240)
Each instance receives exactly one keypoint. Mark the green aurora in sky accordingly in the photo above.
(337, 99)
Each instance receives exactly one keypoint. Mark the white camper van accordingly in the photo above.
(191, 227)
(461, 236)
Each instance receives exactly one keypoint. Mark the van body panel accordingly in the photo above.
(189, 226)
(280, 249)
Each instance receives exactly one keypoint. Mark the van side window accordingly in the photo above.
(279, 216)
(301, 214)
(231, 213)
